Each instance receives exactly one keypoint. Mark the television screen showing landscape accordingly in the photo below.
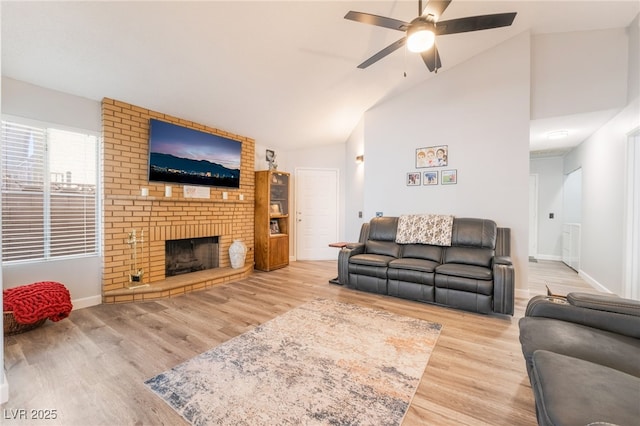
(182, 155)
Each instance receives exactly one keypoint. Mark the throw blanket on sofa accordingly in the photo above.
(33, 302)
(431, 229)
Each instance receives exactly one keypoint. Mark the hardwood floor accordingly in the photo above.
(90, 368)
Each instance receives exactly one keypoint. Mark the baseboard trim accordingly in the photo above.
(522, 293)
(592, 282)
(548, 257)
(86, 302)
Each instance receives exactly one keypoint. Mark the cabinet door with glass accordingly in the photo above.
(272, 220)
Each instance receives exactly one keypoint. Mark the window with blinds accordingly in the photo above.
(49, 193)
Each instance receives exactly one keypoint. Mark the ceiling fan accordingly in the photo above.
(420, 33)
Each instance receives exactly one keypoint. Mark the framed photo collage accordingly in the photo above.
(428, 158)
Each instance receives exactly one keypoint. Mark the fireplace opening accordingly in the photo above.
(190, 255)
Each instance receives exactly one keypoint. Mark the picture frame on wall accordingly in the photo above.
(449, 177)
(430, 178)
(432, 156)
(413, 179)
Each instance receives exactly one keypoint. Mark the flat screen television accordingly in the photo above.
(187, 156)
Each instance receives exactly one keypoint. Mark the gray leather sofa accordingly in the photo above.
(583, 359)
(475, 273)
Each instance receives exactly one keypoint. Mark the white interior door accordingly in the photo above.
(316, 213)
(533, 215)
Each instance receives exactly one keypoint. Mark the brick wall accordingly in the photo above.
(125, 130)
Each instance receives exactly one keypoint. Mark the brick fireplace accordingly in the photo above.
(157, 218)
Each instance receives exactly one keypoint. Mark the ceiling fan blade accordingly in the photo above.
(435, 8)
(380, 21)
(384, 52)
(475, 23)
(431, 59)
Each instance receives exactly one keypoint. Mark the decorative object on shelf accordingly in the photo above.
(237, 254)
(271, 159)
(135, 274)
(274, 227)
(276, 207)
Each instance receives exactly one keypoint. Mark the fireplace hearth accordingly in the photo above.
(190, 255)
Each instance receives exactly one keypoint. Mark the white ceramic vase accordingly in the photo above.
(237, 254)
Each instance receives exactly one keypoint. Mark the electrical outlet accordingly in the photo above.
(551, 215)
(360, 214)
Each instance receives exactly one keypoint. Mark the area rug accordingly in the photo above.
(322, 363)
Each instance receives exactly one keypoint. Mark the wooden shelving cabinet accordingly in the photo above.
(272, 220)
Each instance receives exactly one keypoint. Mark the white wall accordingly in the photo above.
(354, 205)
(550, 178)
(603, 158)
(603, 161)
(50, 106)
(578, 72)
(581, 72)
(81, 276)
(633, 80)
(572, 196)
(480, 109)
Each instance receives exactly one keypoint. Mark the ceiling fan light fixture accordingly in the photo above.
(420, 38)
(420, 33)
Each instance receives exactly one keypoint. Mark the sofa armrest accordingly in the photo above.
(604, 312)
(503, 285)
(503, 242)
(605, 303)
(352, 249)
(502, 260)
(343, 260)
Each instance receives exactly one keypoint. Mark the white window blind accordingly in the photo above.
(49, 193)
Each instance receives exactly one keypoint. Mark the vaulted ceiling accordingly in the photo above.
(281, 72)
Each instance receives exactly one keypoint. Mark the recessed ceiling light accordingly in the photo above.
(558, 134)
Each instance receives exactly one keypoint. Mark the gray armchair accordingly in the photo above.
(582, 355)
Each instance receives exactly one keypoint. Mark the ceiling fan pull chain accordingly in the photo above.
(405, 62)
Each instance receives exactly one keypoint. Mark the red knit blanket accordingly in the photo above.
(33, 302)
